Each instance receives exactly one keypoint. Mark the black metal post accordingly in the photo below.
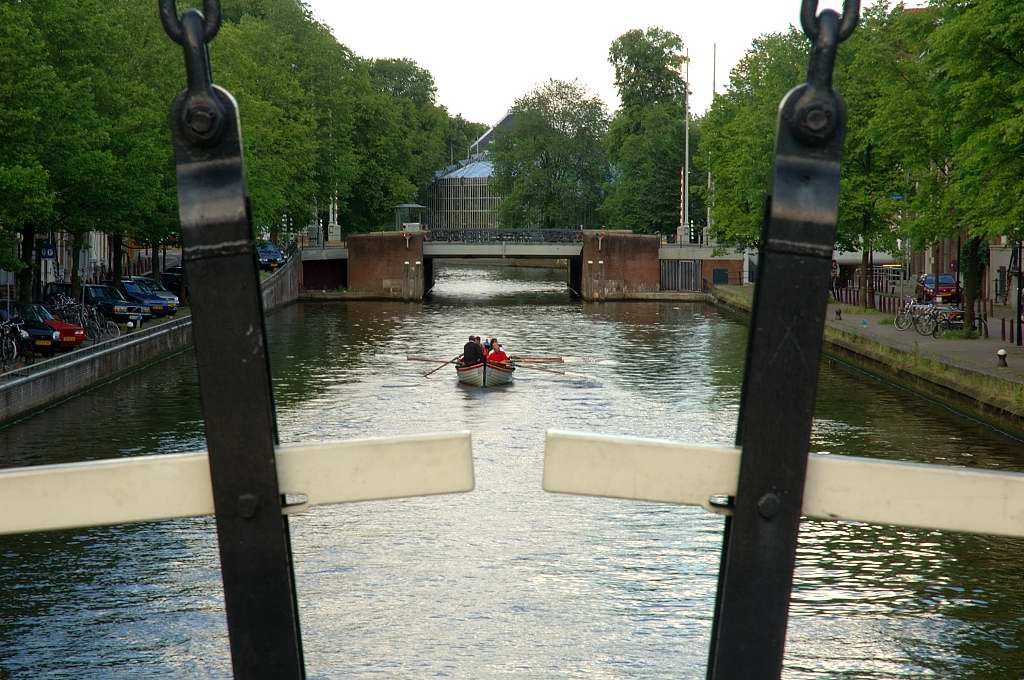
(234, 373)
(783, 353)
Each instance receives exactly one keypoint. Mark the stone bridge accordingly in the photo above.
(602, 264)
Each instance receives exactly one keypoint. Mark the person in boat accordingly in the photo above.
(471, 353)
(497, 354)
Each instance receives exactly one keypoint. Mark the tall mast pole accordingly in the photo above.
(686, 167)
(714, 74)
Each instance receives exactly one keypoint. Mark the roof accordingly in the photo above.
(474, 168)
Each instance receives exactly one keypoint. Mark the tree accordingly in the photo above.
(739, 134)
(646, 139)
(646, 147)
(648, 67)
(550, 164)
(26, 197)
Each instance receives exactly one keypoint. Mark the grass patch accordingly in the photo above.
(856, 309)
(965, 334)
(886, 320)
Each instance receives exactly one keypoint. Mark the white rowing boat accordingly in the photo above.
(485, 374)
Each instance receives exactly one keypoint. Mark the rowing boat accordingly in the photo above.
(485, 374)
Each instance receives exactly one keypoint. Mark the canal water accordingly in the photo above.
(506, 581)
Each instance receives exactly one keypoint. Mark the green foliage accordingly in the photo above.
(739, 134)
(978, 50)
(936, 117)
(646, 139)
(647, 67)
(646, 148)
(551, 164)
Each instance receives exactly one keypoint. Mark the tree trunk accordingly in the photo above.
(116, 252)
(155, 261)
(972, 269)
(28, 260)
(77, 238)
(863, 283)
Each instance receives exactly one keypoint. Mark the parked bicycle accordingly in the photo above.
(955, 320)
(10, 337)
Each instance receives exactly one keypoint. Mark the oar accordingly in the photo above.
(442, 365)
(538, 368)
(551, 360)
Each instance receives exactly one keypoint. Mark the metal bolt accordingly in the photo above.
(200, 120)
(1002, 358)
(816, 119)
(768, 505)
(248, 503)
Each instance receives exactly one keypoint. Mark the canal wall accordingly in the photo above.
(45, 383)
(619, 264)
(981, 394)
(387, 265)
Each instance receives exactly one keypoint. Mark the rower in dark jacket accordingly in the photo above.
(471, 353)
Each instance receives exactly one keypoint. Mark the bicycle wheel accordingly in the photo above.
(925, 324)
(903, 320)
(941, 326)
(111, 330)
(8, 350)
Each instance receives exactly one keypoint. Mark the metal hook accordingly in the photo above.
(172, 23)
(848, 21)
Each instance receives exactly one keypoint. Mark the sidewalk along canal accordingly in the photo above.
(30, 388)
(962, 374)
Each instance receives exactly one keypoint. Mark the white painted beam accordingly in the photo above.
(838, 487)
(159, 487)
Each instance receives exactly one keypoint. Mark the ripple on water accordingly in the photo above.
(507, 580)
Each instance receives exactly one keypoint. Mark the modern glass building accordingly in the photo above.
(462, 195)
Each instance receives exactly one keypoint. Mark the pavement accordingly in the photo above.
(977, 355)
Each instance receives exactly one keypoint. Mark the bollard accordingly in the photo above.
(985, 325)
(839, 314)
(1002, 330)
(1002, 358)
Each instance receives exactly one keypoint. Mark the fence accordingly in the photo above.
(504, 235)
(680, 275)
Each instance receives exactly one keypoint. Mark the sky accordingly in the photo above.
(484, 55)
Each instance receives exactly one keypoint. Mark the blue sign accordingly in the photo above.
(48, 251)
(896, 197)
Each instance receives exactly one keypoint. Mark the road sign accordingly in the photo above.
(48, 251)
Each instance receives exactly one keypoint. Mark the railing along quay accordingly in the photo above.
(503, 235)
(89, 351)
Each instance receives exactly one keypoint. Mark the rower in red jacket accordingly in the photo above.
(497, 354)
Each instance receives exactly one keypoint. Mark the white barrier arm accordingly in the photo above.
(837, 487)
(159, 487)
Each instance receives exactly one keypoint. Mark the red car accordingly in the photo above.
(946, 291)
(71, 335)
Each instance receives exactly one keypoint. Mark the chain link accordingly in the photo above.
(172, 23)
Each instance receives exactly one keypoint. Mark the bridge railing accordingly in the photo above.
(504, 235)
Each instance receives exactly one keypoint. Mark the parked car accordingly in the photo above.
(151, 304)
(270, 256)
(41, 338)
(113, 304)
(70, 334)
(153, 287)
(947, 289)
(173, 279)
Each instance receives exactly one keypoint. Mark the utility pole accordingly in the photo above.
(686, 167)
(714, 74)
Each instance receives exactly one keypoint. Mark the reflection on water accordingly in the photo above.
(507, 580)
